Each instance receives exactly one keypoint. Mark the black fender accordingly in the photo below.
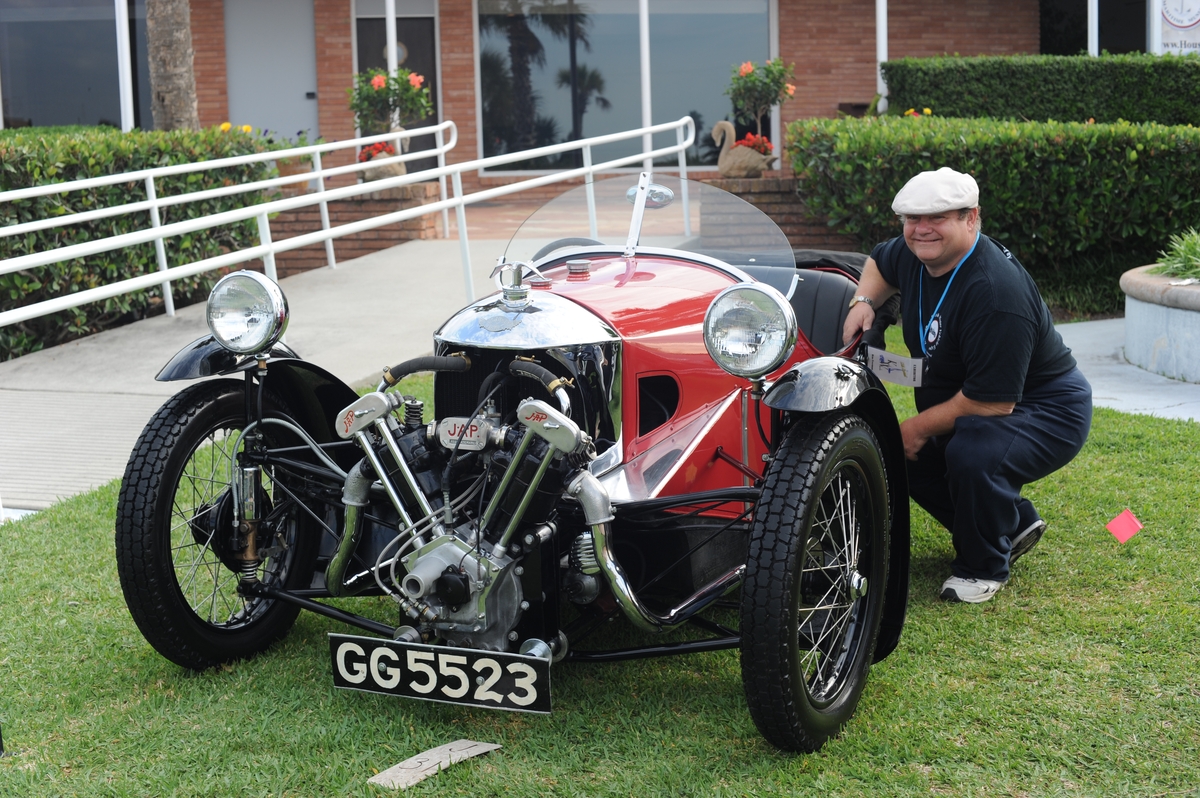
(204, 357)
(826, 384)
(315, 396)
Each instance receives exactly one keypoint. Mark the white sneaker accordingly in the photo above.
(972, 591)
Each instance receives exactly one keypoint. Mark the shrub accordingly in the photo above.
(1135, 87)
(31, 157)
(1055, 193)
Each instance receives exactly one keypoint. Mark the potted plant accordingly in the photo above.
(1162, 311)
(383, 103)
(753, 90)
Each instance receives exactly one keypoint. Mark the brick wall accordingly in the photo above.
(208, 43)
(833, 46)
(306, 220)
(335, 74)
(777, 198)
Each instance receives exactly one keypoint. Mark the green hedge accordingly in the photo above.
(33, 156)
(1135, 87)
(1061, 196)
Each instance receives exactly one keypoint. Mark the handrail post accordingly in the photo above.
(683, 186)
(264, 238)
(441, 157)
(589, 180)
(330, 259)
(460, 214)
(159, 249)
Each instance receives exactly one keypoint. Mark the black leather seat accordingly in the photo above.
(821, 300)
(820, 297)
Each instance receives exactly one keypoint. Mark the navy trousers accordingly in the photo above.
(971, 480)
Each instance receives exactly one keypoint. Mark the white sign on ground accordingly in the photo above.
(429, 763)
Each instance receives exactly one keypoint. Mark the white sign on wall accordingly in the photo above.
(1180, 26)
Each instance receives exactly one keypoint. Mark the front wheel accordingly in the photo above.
(174, 532)
(813, 596)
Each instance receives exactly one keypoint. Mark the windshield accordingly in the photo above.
(694, 217)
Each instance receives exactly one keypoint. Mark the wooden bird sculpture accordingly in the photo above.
(737, 161)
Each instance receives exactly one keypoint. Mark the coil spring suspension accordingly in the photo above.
(414, 411)
(248, 570)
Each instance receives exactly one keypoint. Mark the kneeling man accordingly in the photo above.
(1001, 403)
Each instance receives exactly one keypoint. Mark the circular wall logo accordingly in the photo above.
(1182, 14)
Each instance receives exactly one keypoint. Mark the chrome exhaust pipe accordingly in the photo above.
(597, 511)
(354, 495)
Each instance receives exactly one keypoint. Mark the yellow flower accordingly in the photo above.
(225, 126)
(926, 111)
(247, 129)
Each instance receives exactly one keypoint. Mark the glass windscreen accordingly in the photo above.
(699, 218)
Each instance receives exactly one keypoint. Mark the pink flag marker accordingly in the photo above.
(1124, 526)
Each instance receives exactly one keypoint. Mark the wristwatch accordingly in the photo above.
(866, 300)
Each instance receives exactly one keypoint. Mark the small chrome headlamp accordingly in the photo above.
(247, 312)
(750, 330)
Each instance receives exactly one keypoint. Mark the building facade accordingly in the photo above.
(512, 74)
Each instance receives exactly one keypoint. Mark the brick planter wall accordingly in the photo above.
(306, 220)
(777, 198)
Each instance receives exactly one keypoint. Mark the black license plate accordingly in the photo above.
(441, 673)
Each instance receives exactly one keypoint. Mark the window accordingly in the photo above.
(558, 71)
(58, 62)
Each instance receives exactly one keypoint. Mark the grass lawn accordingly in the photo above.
(1081, 678)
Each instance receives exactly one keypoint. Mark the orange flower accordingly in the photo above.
(415, 80)
(746, 69)
(378, 82)
(790, 89)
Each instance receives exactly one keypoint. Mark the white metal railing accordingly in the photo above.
(684, 128)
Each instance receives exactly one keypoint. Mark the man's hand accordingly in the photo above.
(939, 420)
(859, 319)
(862, 316)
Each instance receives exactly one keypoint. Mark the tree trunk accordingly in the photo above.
(172, 81)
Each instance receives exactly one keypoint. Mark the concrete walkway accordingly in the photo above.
(69, 416)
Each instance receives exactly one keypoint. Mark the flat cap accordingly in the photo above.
(937, 192)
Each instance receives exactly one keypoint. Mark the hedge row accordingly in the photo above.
(1052, 192)
(1135, 87)
(31, 157)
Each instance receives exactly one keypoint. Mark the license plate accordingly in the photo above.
(440, 673)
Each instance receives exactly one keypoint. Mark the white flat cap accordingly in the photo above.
(937, 192)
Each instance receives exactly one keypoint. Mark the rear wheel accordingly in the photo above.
(816, 575)
(174, 532)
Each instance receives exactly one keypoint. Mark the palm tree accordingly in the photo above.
(525, 49)
(584, 83)
(172, 80)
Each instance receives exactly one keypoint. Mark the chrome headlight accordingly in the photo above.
(247, 312)
(750, 330)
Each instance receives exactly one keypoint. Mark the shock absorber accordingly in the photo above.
(249, 480)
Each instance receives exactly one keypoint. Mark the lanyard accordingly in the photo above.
(922, 327)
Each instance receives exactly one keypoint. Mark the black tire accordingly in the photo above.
(808, 633)
(176, 572)
(564, 242)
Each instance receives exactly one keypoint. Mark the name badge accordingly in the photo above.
(894, 368)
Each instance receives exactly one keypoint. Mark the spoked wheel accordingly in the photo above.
(813, 596)
(174, 532)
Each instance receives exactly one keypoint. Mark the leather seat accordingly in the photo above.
(821, 300)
